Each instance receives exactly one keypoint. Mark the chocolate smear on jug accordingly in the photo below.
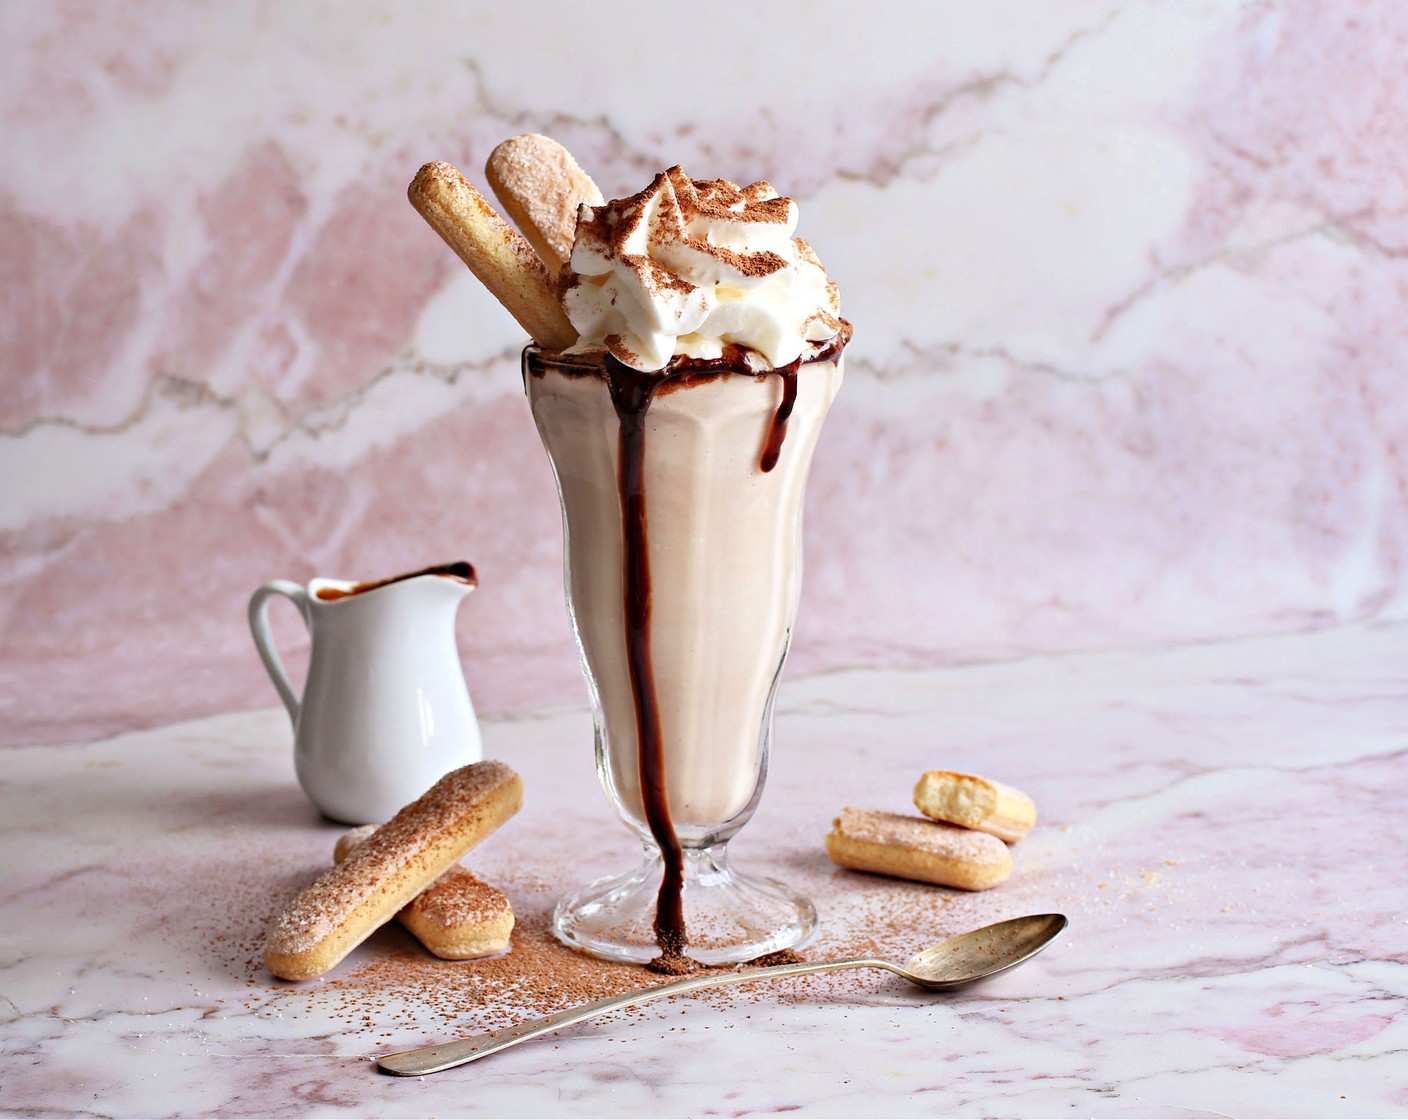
(460, 570)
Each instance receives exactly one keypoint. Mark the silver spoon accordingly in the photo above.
(950, 964)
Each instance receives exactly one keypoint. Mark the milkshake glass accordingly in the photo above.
(683, 560)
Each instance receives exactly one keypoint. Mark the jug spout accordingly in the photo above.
(461, 576)
(450, 582)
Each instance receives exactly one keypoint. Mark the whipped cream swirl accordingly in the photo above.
(689, 266)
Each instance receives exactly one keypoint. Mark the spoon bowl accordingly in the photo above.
(950, 964)
(981, 953)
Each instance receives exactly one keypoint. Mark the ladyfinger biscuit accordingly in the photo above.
(974, 802)
(540, 186)
(329, 918)
(496, 252)
(918, 848)
(457, 917)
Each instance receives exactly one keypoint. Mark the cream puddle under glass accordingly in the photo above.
(681, 429)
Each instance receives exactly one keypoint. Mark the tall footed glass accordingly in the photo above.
(682, 521)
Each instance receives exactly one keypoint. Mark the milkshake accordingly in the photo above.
(681, 427)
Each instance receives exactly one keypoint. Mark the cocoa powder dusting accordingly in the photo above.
(674, 964)
(782, 956)
(458, 898)
(391, 992)
(392, 989)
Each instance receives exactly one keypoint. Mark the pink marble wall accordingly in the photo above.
(1128, 280)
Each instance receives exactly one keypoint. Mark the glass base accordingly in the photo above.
(730, 918)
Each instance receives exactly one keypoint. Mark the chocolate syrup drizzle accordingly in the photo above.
(632, 392)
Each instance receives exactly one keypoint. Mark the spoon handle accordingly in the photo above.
(447, 1055)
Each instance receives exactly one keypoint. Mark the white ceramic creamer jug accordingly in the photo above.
(385, 712)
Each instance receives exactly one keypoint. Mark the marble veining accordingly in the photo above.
(1128, 282)
(1220, 821)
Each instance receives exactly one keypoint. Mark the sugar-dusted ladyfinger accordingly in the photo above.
(918, 848)
(496, 253)
(540, 187)
(338, 911)
(458, 917)
(974, 802)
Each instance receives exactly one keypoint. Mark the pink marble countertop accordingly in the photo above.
(1221, 822)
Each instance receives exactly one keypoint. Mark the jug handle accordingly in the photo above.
(264, 640)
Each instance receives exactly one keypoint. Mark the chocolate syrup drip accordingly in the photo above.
(778, 432)
(631, 393)
(461, 570)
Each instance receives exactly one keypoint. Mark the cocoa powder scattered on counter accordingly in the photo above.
(391, 986)
(782, 956)
(674, 964)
